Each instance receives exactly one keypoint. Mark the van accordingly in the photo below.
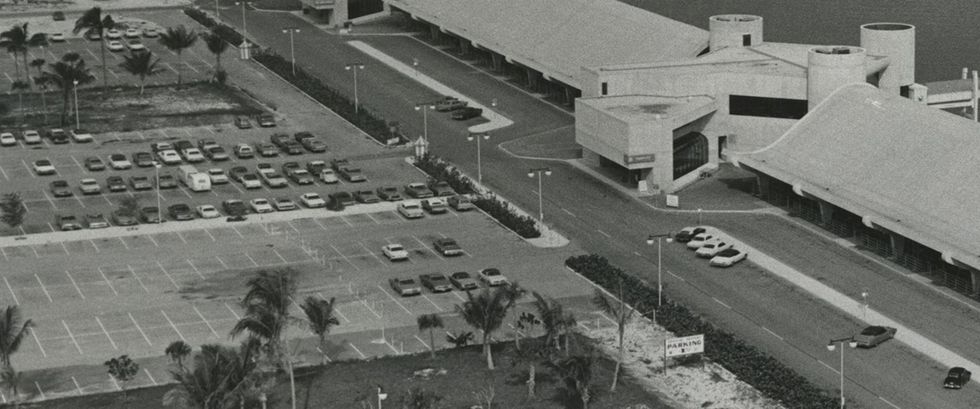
(194, 179)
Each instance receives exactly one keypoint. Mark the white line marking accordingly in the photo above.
(70, 278)
(349, 224)
(637, 254)
(111, 342)
(137, 277)
(886, 401)
(150, 376)
(393, 299)
(239, 233)
(719, 302)
(423, 342)
(43, 288)
(223, 265)
(95, 245)
(150, 236)
(232, 311)
(773, 333)
(344, 257)
(123, 243)
(181, 237)
(168, 275)
(439, 256)
(280, 256)
(40, 391)
(78, 388)
(38, 342)
(11, 291)
(2, 172)
(173, 326)
(196, 270)
(371, 253)
(357, 350)
(604, 233)
(432, 302)
(148, 342)
(210, 235)
(370, 309)
(79, 348)
(251, 259)
(337, 310)
(205, 321)
(67, 253)
(107, 281)
(566, 211)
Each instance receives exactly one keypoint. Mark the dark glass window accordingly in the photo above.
(766, 107)
(690, 152)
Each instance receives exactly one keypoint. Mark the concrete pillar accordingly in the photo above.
(826, 212)
(496, 61)
(590, 158)
(464, 46)
(975, 283)
(898, 245)
(532, 78)
(569, 94)
(435, 34)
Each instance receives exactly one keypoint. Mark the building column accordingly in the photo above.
(569, 94)
(464, 46)
(590, 158)
(532, 78)
(898, 245)
(763, 186)
(826, 212)
(496, 61)
(434, 34)
(975, 283)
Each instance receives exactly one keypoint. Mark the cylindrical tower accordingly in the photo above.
(734, 30)
(829, 68)
(897, 42)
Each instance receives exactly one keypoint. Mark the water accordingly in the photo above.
(947, 31)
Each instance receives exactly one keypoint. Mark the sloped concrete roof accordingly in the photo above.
(900, 165)
(559, 37)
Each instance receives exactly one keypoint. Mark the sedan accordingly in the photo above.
(60, 188)
(167, 181)
(699, 239)
(67, 222)
(436, 282)
(463, 281)
(874, 335)
(132, 33)
(301, 177)
(274, 180)
(143, 159)
(366, 196)
(169, 157)
(728, 257)
(234, 207)
(250, 181)
(312, 200)
(389, 193)
(96, 221)
(81, 136)
(118, 161)
(44, 167)
(244, 151)
(314, 145)
(411, 210)
(242, 122)
(114, 45)
(121, 218)
(58, 136)
(442, 188)
(150, 32)
(283, 204)
(344, 198)
(465, 113)
(328, 176)
(140, 183)
(292, 148)
(688, 233)
(193, 155)
(113, 34)
(93, 164)
(712, 248)
(216, 153)
(31, 137)
(150, 214)
(418, 190)
(956, 378)
(218, 176)
(56, 37)
(266, 120)
(207, 212)
(180, 211)
(7, 139)
(260, 205)
(395, 252)
(135, 45)
(266, 150)
(405, 286)
(90, 187)
(115, 184)
(447, 247)
(492, 277)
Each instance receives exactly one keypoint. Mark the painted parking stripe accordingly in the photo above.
(38, 342)
(109, 283)
(166, 273)
(16, 302)
(237, 317)
(179, 334)
(393, 299)
(421, 341)
(79, 164)
(372, 218)
(195, 269)
(40, 391)
(137, 277)
(96, 246)
(280, 257)
(72, 279)
(150, 236)
(72, 336)
(357, 350)
(223, 265)
(65, 247)
(78, 388)
(210, 235)
(51, 200)
(344, 257)
(371, 253)
(4, 173)
(181, 237)
(205, 320)
(349, 224)
(43, 288)
(251, 259)
(342, 316)
(111, 342)
(430, 249)
(26, 166)
(121, 240)
(433, 303)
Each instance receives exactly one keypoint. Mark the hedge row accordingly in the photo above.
(441, 170)
(372, 125)
(751, 365)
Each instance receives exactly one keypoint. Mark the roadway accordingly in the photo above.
(767, 312)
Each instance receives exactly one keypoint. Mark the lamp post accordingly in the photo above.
(425, 107)
(156, 169)
(864, 302)
(292, 47)
(217, 14)
(244, 24)
(415, 65)
(699, 216)
(355, 67)
(479, 165)
(381, 396)
(831, 346)
(263, 398)
(540, 173)
(650, 239)
(78, 122)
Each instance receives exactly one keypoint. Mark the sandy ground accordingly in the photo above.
(684, 387)
(22, 6)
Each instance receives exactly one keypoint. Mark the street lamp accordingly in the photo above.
(650, 239)
(381, 396)
(78, 123)
(425, 118)
(864, 302)
(831, 346)
(156, 169)
(244, 23)
(263, 398)
(479, 165)
(355, 67)
(415, 65)
(217, 14)
(538, 172)
(292, 48)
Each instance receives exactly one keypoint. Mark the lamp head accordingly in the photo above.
(469, 138)
(650, 240)
(852, 344)
(831, 347)
(486, 136)
(530, 174)
(547, 172)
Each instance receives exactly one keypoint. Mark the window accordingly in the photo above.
(746, 39)
(767, 107)
(605, 88)
(690, 152)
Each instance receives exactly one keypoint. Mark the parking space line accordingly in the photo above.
(95, 245)
(54, 205)
(78, 388)
(173, 326)
(184, 191)
(349, 224)
(210, 235)
(394, 299)
(357, 350)
(38, 342)
(433, 303)
(11, 291)
(67, 253)
(107, 281)
(181, 237)
(77, 199)
(111, 342)
(458, 296)
(79, 164)
(370, 309)
(31, 171)
(223, 265)
(70, 278)
(137, 325)
(430, 249)
(337, 310)
(371, 253)
(148, 375)
(40, 391)
(238, 232)
(190, 66)
(171, 67)
(205, 320)
(168, 275)
(107, 200)
(137, 277)
(290, 223)
(4, 253)
(123, 242)
(232, 311)
(43, 288)
(372, 218)
(36, 255)
(4, 173)
(319, 224)
(423, 342)
(280, 256)
(344, 257)
(72, 336)
(196, 270)
(150, 236)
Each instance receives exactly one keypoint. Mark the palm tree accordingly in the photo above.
(556, 322)
(216, 45)
(177, 351)
(576, 371)
(38, 63)
(63, 75)
(19, 86)
(533, 352)
(12, 332)
(430, 322)
(177, 39)
(514, 292)
(622, 312)
(142, 65)
(485, 312)
(267, 315)
(219, 373)
(93, 22)
(15, 41)
(11, 380)
(319, 314)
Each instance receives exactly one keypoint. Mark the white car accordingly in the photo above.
(410, 209)
(698, 240)
(150, 32)
(328, 176)
(80, 136)
(7, 139)
(312, 200)
(135, 45)
(728, 258)
(395, 252)
(207, 212)
(114, 45)
(90, 187)
(712, 248)
(260, 205)
(218, 176)
(251, 181)
(492, 277)
(31, 137)
(119, 161)
(44, 167)
(113, 34)
(56, 37)
(193, 155)
(169, 157)
(132, 33)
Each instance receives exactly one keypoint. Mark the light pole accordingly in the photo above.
(263, 399)
(78, 122)
(831, 346)
(217, 14)
(355, 67)
(415, 65)
(650, 239)
(244, 24)
(699, 216)
(479, 165)
(292, 48)
(864, 302)
(540, 173)
(381, 396)
(425, 107)
(156, 169)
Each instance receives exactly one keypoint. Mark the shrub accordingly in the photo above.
(751, 365)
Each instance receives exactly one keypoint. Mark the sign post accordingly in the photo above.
(690, 345)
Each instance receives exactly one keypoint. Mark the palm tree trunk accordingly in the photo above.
(105, 78)
(20, 104)
(292, 383)
(179, 68)
(323, 349)
(44, 104)
(432, 343)
(16, 67)
(64, 107)
(217, 60)
(619, 363)
(486, 350)
(530, 380)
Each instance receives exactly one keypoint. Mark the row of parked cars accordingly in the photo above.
(458, 108)
(56, 136)
(711, 245)
(439, 283)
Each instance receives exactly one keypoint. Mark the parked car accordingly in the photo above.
(405, 286)
(437, 283)
(192, 155)
(167, 181)
(58, 16)
(312, 200)
(60, 188)
(180, 211)
(140, 183)
(115, 184)
(442, 188)
(143, 159)
(242, 122)
(260, 205)
(366, 196)
(182, 145)
(118, 161)
(300, 136)
(344, 198)
(874, 335)
(301, 177)
(418, 190)
(289, 167)
(273, 179)
(463, 281)
(447, 247)
(461, 203)
(328, 176)
(94, 164)
(728, 257)
(956, 378)
(688, 233)
(712, 247)
(389, 193)
(150, 214)
(314, 145)
(216, 153)
(89, 187)
(410, 209)
(7, 139)
(121, 218)
(113, 34)
(699, 239)
(161, 146)
(234, 207)
(465, 113)
(56, 37)
(492, 277)
(251, 181)
(204, 143)
(58, 136)
(150, 32)
(131, 33)
(67, 222)
(93, 35)
(266, 120)
(292, 148)
(395, 252)
(207, 212)
(266, 150)
(169, 157)
(115, 45)
(31, 137)
(96, 221)
(44, 167)
(263, 167)
(434, 205)
(283, 204)
(244, 151)
(279, 139)
(218, 176)
(135, 45)
(81, 136)
(315, 166)
(448, 104)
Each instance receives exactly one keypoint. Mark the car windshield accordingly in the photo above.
(491, 272)
(873, 331)
(728, 253)
(395, 247)
(43, 163)
(460, 275)
(406, 281)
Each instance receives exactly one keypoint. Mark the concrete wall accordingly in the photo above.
(680, 83)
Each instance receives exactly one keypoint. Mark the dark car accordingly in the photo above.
(447, 247)
(465, 113)
(216, 153)
(234, 207)
(143, 159)
(687, 233)
(300, 136)
(121, 218)
(436, 283)
(140, 183)
(67, 222)
(58, 16)
(60, 188)
(300, 177)
(450, 104)
(93, 164)
(266, 150)
(204, 144)
(180, 211)
(115, 184)
(266, 120)
(389, 193)
(279, 139)
(315, 166)
(956, 378)
(292, 148)
(183, 145)
(237, 172)
(289, 166)
(366, 196)
(150, 214)
(418, 190)
(442, 188)
(874, 335)
(242, 122)
(463, 281)
(96, 221)
(344, 198)
(58, 136)
(167, 181)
